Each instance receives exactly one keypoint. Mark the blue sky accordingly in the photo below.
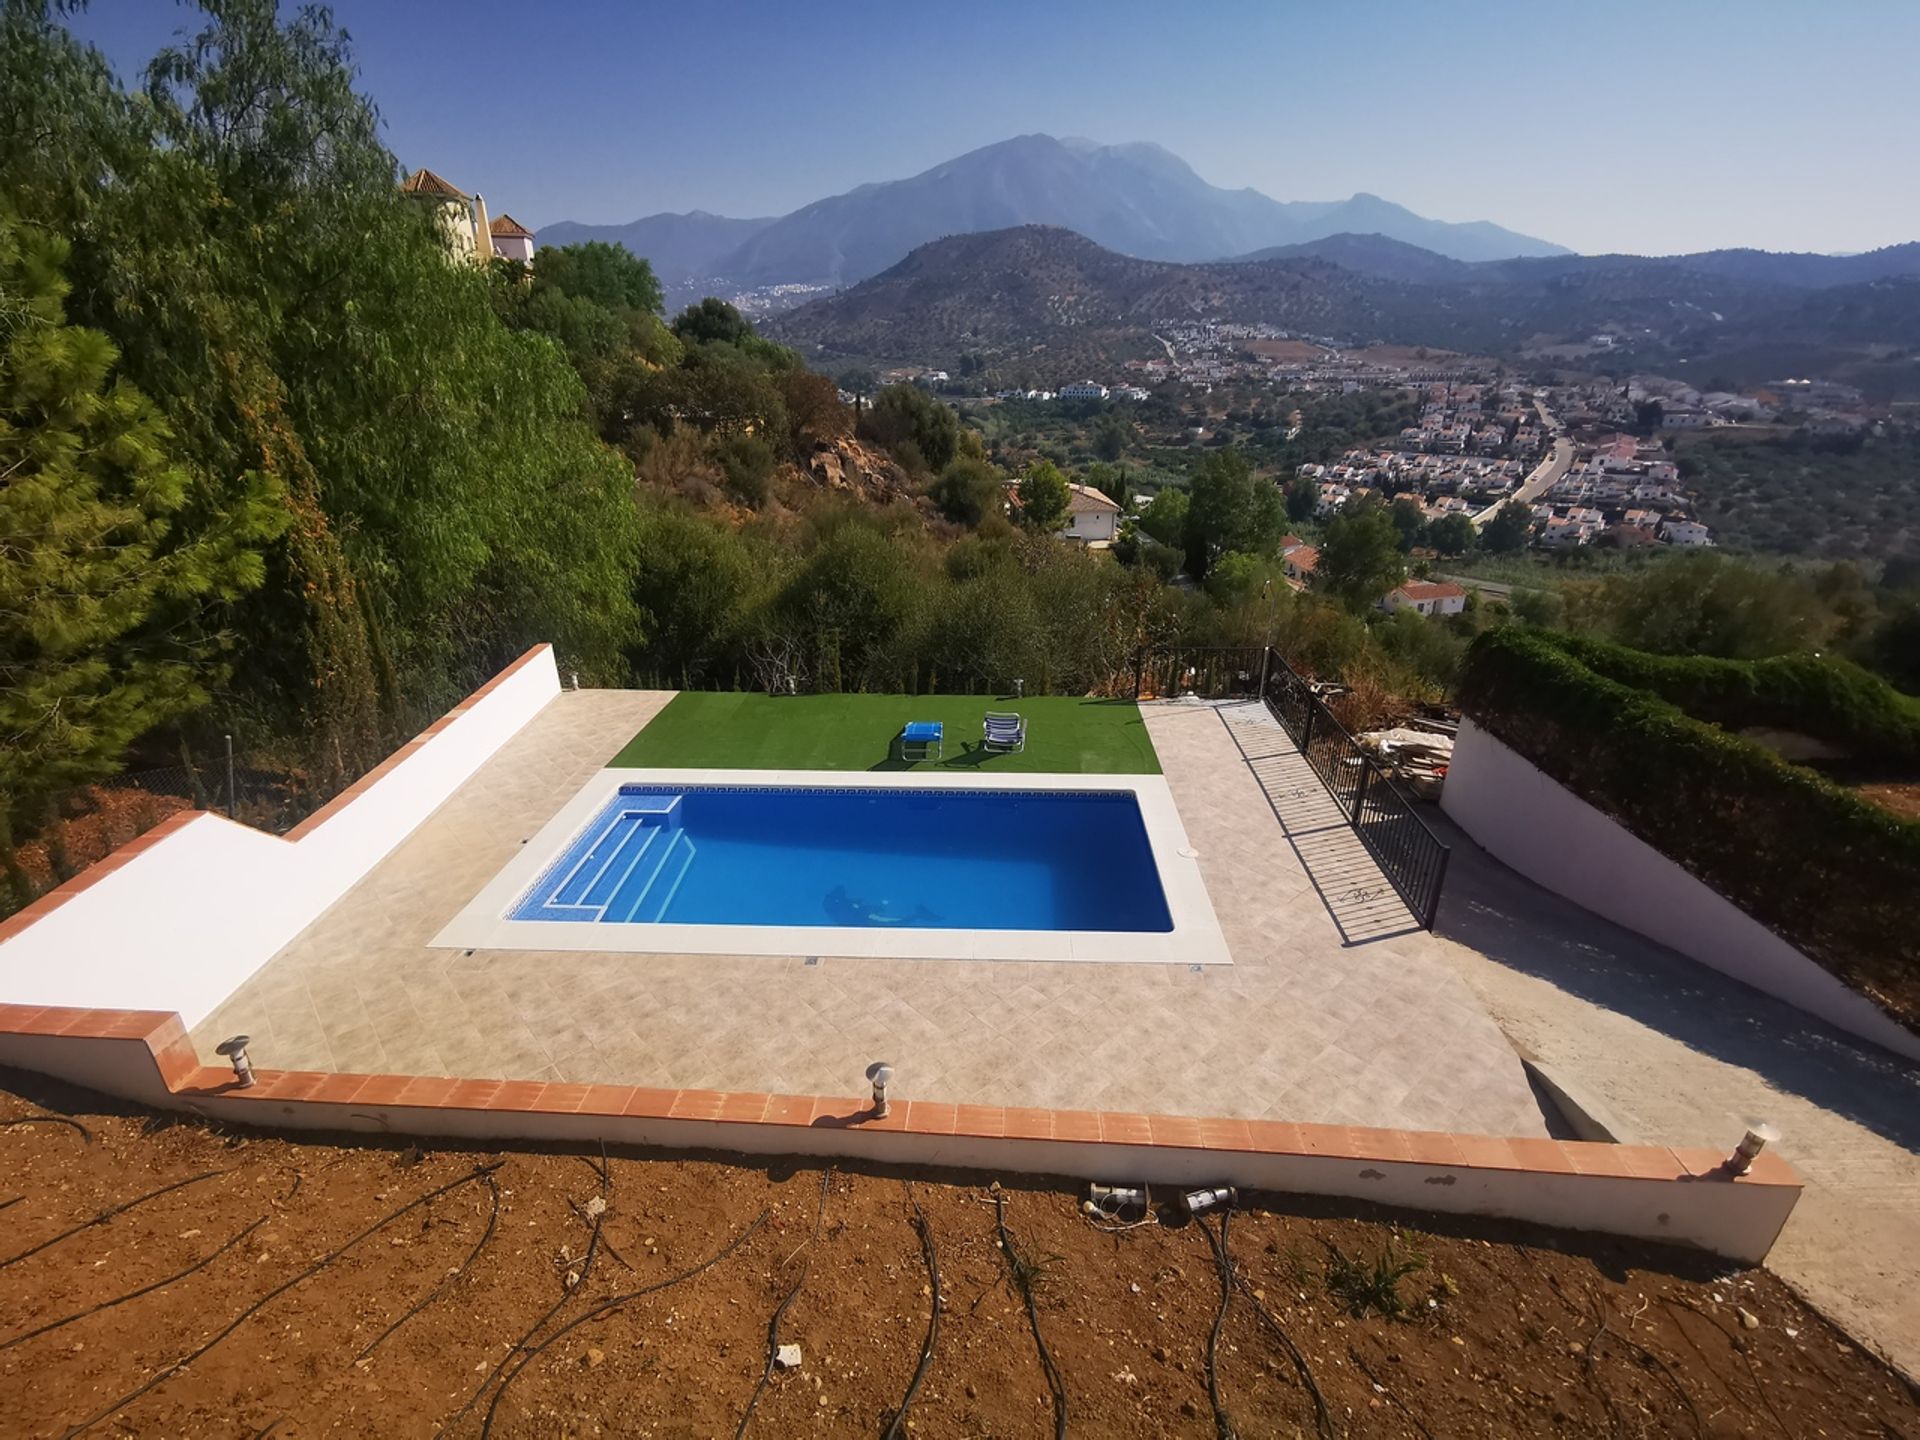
(1651, 126)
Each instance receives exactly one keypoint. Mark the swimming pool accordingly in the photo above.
(880, 858)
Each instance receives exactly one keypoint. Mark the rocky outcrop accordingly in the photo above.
(851, 468)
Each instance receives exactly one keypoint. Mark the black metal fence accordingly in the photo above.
(1410, 855)
(1213, 672)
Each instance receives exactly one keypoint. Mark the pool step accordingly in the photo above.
(667, 893)
(647, 887)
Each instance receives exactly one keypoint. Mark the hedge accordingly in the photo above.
(1819, 695)
(1827, 871)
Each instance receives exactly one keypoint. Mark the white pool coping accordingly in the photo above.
(1196, 939)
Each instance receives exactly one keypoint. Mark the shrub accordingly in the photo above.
(1824, 869)
(747, 462)
(1819, 695)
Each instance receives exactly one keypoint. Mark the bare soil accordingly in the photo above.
(315, 1290)
(1288, 350)
(1901, 797)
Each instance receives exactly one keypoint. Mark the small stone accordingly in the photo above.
(1748, 1320)
(597, 1206)
(595, 1357)
(1160, 1353)
(1134, 1287)
(1189, 1409)
(1576, 1348)
(822, 1401)
(787, 1357)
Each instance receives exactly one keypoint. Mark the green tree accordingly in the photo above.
(1230, 508)
(854, 606)
(608, 275)
(1165, 517)
(1111, 436)
(1708, 604)
(1542, 608)
(712, 322)
(1409, 520)
(239, 235)
(694, 582)
(1508, 531)
(1453, 534)
(1303, 498)
(968, 491)
(914, 427)
(1111, 481)
(1360, 558)
(1043, 497)
(104, 553)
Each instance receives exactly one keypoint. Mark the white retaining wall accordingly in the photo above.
(188, 919)
(1531, 822)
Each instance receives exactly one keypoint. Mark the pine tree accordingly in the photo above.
(99, 558)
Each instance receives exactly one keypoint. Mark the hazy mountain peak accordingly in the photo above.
(1136, 198)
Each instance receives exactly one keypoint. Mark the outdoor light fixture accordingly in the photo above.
(1750, 1146)
(236, 1051)
(1019, 689)
(881, 1074)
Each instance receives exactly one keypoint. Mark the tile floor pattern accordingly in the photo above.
(1301, 1027)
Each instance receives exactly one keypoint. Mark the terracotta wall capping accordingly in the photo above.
(1655, 1192)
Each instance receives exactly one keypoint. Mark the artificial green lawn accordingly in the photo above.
(731, 730)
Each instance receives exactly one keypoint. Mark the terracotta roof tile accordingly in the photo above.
(509, 228)
(425, 182)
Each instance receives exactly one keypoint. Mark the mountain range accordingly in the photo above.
(1049, 302)
(1137, 200)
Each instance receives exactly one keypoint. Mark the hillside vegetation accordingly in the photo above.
(1016, 293)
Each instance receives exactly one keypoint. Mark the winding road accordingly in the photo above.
(1545, 475)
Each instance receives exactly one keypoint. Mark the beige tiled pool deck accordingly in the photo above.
(1336, 1009)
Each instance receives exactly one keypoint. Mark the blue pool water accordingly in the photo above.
(923, 859)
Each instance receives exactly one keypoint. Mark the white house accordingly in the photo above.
(1083, 390)
(511, 239)
(1427, 597)
(1687, 533)
(1685, 419)
(462, 218)
(1092, 517)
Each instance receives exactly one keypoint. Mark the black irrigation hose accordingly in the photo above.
(106, 1215)
(899, 1423)
(135, 1294)
(1222, 1422)
(566, 1294)
(613, 1302)
(1322, 1416)
(273, 1294)
(1055, 1381)
(780, 1311)
(493, 1219)
(86, 1135)
(1367, 1370)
